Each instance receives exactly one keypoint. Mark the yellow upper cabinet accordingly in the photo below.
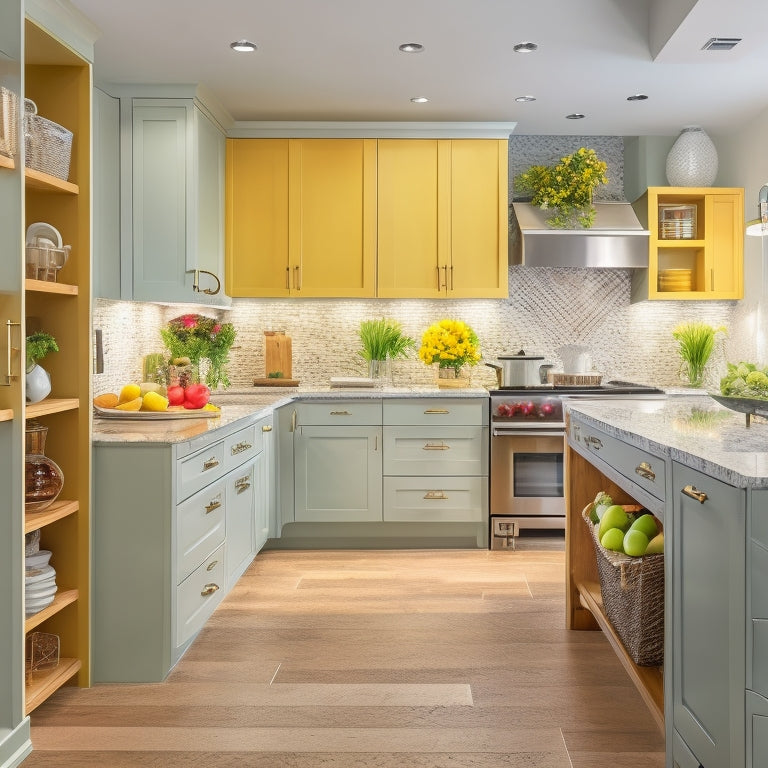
(301, 217)
(696, 243)
(442, 227)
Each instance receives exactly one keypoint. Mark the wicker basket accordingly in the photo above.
(48, 145)
(9, 110)
(633, 599)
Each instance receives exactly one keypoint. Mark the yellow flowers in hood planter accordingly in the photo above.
(452, 347)
(566, 188)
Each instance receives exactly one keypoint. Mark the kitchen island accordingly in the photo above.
(704, 474)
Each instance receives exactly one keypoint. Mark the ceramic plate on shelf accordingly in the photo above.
(45, 231)
(184, 413)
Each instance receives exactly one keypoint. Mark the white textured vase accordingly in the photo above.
(692, 161)
(38, 384)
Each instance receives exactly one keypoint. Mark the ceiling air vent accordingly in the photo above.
(720, 43)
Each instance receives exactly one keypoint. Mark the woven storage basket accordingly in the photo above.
(633, 599)
(9, 110)
(48, 145)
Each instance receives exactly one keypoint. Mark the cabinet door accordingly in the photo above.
(337, 474)
(257, 217)
(479, 219)
(332, 217)
(241, 487)
(411, 226)
(708, 614)
(724, 244)
(261, 504)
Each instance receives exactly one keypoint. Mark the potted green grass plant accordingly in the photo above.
(695, 344)
(382, 341)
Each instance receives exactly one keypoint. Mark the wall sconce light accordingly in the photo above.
(759, 227)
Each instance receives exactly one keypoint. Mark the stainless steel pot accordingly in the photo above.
(520, 370)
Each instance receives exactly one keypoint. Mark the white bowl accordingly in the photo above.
(38, 560)
(37, 575)
(39, 591)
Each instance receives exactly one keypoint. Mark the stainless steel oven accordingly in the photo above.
(527, 452)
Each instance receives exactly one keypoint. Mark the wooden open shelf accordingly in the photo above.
(648, 680)
(51, 405)
(45, 286)
(57, 510)
(7, 162)
(6, 414)
(46, 183)
(43, 684)
(62, 600)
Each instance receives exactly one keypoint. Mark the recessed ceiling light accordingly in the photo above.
(637, 97)
(411, 47)
(574, 116)
(419, 99)
(525, 47)
(524, 99)
(243, 46)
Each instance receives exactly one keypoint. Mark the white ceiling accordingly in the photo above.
(338, 60)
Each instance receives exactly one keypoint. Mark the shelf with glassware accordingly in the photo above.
(695, 249)
(58, 80)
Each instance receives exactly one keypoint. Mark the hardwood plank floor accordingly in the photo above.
(377, 659)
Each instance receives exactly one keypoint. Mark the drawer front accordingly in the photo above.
(760, 519)
(198, 595)
(340, 413)
(642, 468)
(760, 656)
(436, 499)
(198, 470)
(759, 579)
(435, 451)
(431, 411)
(200, 528)
(243, 445)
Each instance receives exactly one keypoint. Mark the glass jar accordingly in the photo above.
(43, 478)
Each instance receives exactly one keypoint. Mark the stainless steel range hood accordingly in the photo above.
(617, 239)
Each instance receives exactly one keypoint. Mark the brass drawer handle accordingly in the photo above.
(209, 589)
(700, 496)
(210, 464)
(213, 505)
(10, 375)
(266, 428)
(436, 410)
(439, 495)
(243, 484)
(436, 447)
(340, 413)
(239, 448)
(645, 471)
(212, 565)
(595, 442)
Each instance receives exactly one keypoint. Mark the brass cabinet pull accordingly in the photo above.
(432, 411)
(212, 565)
(644, 470)
(213, 505)
(340, 413)
(288, 278)
(196, 282)
(243, 484)
(209, 589)
(700, 496)
(440, 495)
(239, 448)
(438, 277)
(595, 442)
(210, 464)
(375, 443)
(297, 277)
(10, 376)
(451, 276)
(436, 447)
(445, 278)
(293, 422)
(266, 428)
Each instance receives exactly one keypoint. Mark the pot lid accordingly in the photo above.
(521, 356)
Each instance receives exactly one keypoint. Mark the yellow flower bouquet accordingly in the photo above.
(450, 344)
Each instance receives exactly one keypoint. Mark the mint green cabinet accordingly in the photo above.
(708, 617)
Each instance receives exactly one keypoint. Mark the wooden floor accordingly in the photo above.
(414, 659)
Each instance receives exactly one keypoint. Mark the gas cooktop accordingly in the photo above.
(607, 388)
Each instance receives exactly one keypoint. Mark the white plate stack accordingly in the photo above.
(39, 582)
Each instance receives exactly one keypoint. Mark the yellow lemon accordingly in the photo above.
(153, 401)
(130, 405)
(211, 407)
(129, 392)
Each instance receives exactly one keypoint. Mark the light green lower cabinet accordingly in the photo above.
(436, 499)
(757, 730)
(708, 616)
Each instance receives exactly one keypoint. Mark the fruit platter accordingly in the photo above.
(152, 401)
(744, 389)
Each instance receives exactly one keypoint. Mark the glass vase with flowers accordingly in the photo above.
(452, 347)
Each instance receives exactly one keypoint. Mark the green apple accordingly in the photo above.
(646, 524)
(613, 539)
(635, 543)
(614, 517)
(656, 545)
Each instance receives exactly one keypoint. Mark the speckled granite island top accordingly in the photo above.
(237, 404)
(696, 431)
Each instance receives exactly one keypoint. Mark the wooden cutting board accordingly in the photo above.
(277, 355)
(275, 382)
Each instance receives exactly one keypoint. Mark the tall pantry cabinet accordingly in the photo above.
(47, 53)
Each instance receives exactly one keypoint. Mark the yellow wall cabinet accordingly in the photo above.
(696, 244)
(442, 224)
(301, 217)
(394, 218)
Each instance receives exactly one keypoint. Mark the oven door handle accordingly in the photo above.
(557, 432)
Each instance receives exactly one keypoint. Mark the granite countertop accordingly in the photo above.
(696, 431)
(237, 404)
